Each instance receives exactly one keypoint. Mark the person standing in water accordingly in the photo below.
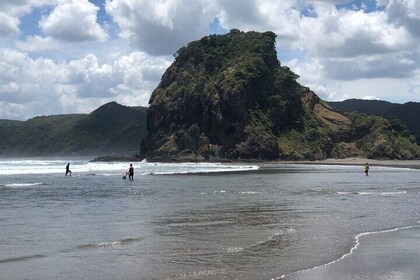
(131, 173)
(367, 169)
(68, 169)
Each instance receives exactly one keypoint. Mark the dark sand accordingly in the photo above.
(387, 255)
(415, 164)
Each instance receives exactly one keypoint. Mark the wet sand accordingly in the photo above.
(361, 161)
(386, 255)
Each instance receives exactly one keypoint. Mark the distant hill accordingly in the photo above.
(408, 113)
(227, 97)
(112, 128)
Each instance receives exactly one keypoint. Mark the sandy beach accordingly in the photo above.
(361, 161)
(390, 254)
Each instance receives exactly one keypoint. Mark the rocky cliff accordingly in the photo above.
(228, 97)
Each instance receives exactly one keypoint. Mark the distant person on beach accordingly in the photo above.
(367, 169)
(68, 169)
(131, 173)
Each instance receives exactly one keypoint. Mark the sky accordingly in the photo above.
(72, 56)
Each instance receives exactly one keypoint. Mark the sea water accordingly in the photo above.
(207, 221)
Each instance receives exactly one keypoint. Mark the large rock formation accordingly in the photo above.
(228, 97)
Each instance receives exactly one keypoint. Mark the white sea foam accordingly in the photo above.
(352, 250)
(98, 245)
(193, 168)
(344, 192)
(115, 168)
(247, 193)
(383, 193)
(397, 192)
(274, 236)
(219, 192)
(17, 185)
(235, 250)
(214, 192)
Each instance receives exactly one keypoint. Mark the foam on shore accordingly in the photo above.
(375, 255)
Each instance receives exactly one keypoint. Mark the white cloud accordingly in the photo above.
(370, 97)
(73, 21)
(405, 13)
(38, 44)
(393, 90)
(342, 53)
(8, 24)
(43, 86)
(12, 10)
(348, 44)
(281, 17)
(344, 33)
(160, 28)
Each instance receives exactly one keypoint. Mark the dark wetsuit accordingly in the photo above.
(68, 169)
(131, 173)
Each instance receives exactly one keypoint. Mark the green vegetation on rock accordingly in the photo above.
(112, 128)
(408, 113)
(383, 139)
(234, 92)
(228, 97)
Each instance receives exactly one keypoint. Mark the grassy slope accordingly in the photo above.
(408, 113)
(110, 128)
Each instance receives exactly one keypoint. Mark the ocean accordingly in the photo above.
(207, 221)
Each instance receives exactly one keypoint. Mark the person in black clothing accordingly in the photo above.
(68, 169)
(131, 173)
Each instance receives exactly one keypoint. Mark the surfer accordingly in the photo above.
(68, 169)
(367, 169)
(131, 173)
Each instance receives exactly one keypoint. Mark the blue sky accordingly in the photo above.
(68, 56)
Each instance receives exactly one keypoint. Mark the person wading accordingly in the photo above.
(68, 169)
(131, 173)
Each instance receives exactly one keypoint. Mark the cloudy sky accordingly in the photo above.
(71, 56)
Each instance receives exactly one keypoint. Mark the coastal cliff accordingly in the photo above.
(227, 97)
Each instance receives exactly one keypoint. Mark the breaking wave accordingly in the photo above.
(22, 185)
(87, 168)
(99, 245)
(23, 258)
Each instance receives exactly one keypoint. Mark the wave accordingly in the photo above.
(274, 237)
(20, 259)
(99, 245)
(115, 168)
(201, 169)
(383, 193)
(19, 185)
(352, 250)
(224, 192)
(214, 192)
(199, 274)
(247, 193)
(372, 193)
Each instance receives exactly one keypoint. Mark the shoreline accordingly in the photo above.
(364, 244)
(414, 164)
